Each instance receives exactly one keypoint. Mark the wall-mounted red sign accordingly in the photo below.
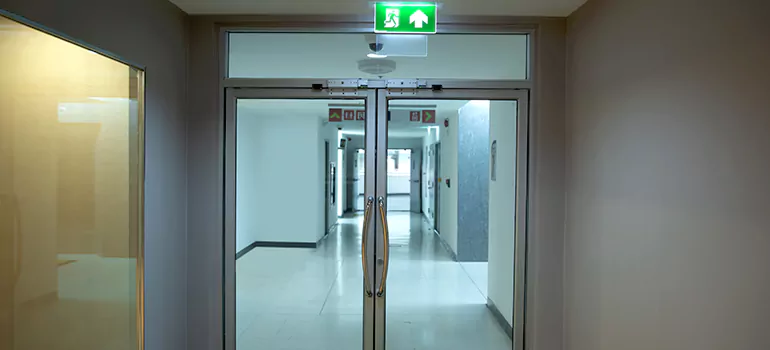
(335, 114)
(349, 114)
(360, 115)
(414, 116)
(429, 116)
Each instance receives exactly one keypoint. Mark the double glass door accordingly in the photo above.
(332, 211)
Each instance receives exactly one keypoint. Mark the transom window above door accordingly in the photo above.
(370, 56)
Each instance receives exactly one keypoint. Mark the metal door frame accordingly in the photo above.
(377, 94)
(521, 96)
(229, 281)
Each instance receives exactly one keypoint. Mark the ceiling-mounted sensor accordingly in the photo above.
(375, 46)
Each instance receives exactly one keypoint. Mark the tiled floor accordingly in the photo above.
(312, 298)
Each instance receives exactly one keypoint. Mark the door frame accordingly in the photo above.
(521, 96)
(230, 167)
(377, 96)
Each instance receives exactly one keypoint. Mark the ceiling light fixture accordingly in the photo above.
(376, 55)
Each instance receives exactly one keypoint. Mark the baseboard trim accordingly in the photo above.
(250, 247)
(446, 245)
(245, 250)
(507, 327)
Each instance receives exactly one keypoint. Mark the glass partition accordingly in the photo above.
(70, 195)
(319, 55)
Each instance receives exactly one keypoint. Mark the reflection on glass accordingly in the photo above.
(69, 195)
(400, 179)
(455, 230)
(298, 231)
(443, 56)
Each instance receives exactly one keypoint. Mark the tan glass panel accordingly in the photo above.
(69, 195)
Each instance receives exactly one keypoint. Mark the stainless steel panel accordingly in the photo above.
(426, 84)
(370, 186)
(381, 170)
(231, 104)
(521, 233)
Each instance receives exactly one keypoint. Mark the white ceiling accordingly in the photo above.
(301, 55)
(556, 8)
(399, 126)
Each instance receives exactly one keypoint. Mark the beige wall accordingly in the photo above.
(668, 190)
(545, 241)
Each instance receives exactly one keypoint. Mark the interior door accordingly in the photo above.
(426, 294)
(384, 290)
(286, 284)
(415, 176)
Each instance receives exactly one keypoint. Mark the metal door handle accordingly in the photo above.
(386, 247)
(364, 239)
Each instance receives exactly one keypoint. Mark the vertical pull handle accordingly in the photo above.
(386, 247)
(364, 242)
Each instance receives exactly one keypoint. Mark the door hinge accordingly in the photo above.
(346, 87)
(404, 87)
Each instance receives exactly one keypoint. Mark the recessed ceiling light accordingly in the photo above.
(376, 55)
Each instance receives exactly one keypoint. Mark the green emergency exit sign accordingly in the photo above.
(405, 17)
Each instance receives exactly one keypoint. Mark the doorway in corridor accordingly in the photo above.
(399, 175)
(383, 278)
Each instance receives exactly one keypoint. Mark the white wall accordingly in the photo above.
(502, 127)
(279, 178)
(416, 180)
(448, 196)
(668, 210)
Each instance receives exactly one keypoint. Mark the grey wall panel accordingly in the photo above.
(545, 246)
(667, 194)
(154, 34)
(205, 185)
(473, 182)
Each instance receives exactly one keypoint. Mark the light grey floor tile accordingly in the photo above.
(297, 299)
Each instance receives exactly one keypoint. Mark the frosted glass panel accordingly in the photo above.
(69, 195)
(445, 56)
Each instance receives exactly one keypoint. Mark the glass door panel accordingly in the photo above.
(455, 288)
(294, 233)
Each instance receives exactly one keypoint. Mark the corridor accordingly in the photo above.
(289, 298)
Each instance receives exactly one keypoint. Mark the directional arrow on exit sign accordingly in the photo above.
(428, 116)
(418, 19)
(335, 114)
